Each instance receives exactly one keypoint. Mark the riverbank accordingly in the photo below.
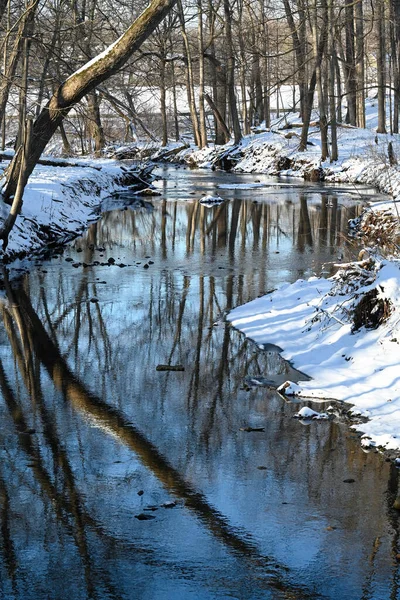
(353, 362)
(365, 157)
(61, 201)
(343, 332)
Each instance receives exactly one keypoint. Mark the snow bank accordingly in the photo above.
(315, 322)
(59, 203)
(307, 413)
(363, 154)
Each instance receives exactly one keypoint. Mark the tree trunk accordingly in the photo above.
(323, 122)
(395, 48)
(350, 67)
(202, 112)
(218, 117)
(231, 73)
(297, 34)
(359, 63)
(381, 66)
(163, 103)
(189, 78)
(96, 127)
(331, 85)
(22, 178)
(175, 104)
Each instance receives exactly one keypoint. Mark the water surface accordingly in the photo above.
(92, 436)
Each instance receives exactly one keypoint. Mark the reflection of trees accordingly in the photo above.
(305, 237)
(68, 504)
(59, 340)
(173, 231)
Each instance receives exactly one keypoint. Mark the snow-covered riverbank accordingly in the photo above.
(59, 204)
(326, 328)
(343, 332)
(321, 325)
(363, 158)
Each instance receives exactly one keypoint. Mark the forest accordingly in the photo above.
(210, 69)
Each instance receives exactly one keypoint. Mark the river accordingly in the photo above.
(121, 481)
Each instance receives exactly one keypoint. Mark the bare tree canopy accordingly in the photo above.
(83, 81)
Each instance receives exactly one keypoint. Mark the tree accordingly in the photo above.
(81, 83)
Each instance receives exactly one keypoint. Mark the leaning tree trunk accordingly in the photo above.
(84, 81)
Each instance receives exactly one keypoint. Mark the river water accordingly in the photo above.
(121, 481)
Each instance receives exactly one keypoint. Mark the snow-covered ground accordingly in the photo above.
(363, 154)
(316, 324)
(59, 203)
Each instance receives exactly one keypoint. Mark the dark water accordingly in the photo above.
(93, 436)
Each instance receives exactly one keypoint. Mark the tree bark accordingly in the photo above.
(95, 125)
(189, 78)
(331, 87)
(350, 66)
(381, 66)
(163, 102)
(218, 117)
(231, 73)
(359, 64)
(202, 113)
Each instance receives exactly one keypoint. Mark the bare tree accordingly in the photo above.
(81, 83)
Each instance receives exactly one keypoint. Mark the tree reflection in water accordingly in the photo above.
(88, 422)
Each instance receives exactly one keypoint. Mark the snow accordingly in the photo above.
(311, 320)
(363, 154)
(309, 413)
(60, 200)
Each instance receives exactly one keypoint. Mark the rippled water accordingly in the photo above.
(93, 436)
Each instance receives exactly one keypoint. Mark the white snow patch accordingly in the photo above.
(309, 413)
(62, 200)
